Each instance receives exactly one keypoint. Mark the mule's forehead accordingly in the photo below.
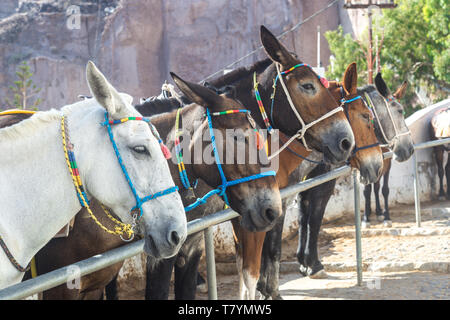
(136, 130)
(395, 104)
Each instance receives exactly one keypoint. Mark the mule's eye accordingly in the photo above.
(307, 86)
(140, 150)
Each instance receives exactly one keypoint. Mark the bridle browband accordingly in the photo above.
(304, 126)
(345, 104)
(221, 189)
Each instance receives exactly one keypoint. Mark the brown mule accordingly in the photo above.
(368, 159)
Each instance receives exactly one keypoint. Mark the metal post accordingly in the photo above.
(416, 191)
(210, 264)
(318, 47)
(369, 49)
(357, 228)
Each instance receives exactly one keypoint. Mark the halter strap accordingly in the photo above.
(397, 134)
(300, 133)
(221, 189)
(344, 103)
(139, 201)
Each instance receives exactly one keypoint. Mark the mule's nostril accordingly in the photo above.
(345, 144)
(174, 238)
(271, 214)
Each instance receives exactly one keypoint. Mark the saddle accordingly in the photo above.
(441, 123)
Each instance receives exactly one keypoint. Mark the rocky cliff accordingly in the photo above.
(136, 43)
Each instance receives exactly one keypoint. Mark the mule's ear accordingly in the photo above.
(381, 85)
(195, 92)
(104, 92)
(350, 80)
(401, 91)
(274, 49)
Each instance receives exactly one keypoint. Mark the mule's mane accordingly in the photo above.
(158, 106)
(241, 73)
(367, 88)
(28, 126)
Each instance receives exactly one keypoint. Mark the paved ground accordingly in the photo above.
(401, 262)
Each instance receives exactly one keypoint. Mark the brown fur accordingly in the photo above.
(248, 244)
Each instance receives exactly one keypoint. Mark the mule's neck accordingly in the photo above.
(36, 190)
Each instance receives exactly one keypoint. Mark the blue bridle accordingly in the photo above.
(139, 201)
(221, 189)
(344, 102)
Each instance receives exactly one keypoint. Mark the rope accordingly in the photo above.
(220, 190)
(120, 228)
(389, 142)
(139, 201)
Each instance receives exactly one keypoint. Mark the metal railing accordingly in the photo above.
(100, 261)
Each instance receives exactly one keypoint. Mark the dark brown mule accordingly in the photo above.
(367, 158)
(251, 198)
(439, 128)
(394, 128)
(311, 101)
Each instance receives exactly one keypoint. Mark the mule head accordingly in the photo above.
(163, 221)
(403, 145)
(367, 155)
(333, 135)
(258, 201)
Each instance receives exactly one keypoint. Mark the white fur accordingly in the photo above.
(37, 195)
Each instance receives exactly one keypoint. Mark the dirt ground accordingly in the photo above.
(400, 262)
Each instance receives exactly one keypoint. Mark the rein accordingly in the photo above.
(300, 133)
(221, 189)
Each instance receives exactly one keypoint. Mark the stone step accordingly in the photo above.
(229, 268)
(379, 266)
(376, 232)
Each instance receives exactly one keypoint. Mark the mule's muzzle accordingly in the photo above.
(262, 217)
(165, 243)
(371, 171)
(338, 143)
(403, 153)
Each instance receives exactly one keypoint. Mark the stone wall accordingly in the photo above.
(137, 43)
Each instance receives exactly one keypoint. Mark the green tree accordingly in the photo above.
(23, 90)
(416, 47)
(345, 51)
